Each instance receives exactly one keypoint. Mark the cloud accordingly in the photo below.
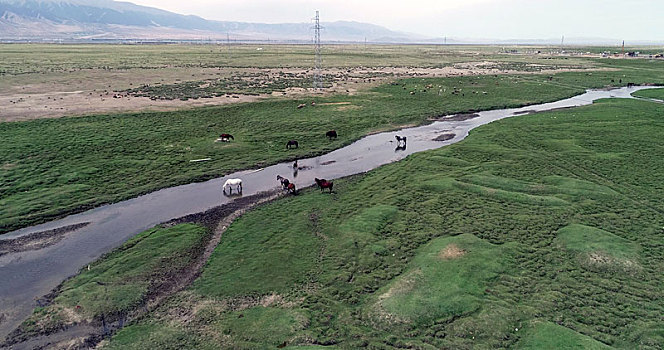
(501, 19)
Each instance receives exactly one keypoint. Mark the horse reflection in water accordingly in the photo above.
(401, 143)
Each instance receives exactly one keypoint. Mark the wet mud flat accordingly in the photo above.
(37, 240)
(445, 137)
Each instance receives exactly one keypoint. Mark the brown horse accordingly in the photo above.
(291, 188)
(323, 184)
(291, 143)
(332, 134)
(226, 137)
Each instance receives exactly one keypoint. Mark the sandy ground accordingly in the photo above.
(75, 103)
(81, 92)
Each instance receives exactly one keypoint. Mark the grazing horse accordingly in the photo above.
(291, 143)
(226, 137)
(400, 139)
(233, 182)
(284, 181)
(323, 184)
(291, 188)
(332, 134)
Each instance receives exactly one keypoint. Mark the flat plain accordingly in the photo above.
(537, 231)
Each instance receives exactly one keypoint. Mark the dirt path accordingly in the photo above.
(87, 335)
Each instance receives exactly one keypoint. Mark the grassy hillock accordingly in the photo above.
(540, 231)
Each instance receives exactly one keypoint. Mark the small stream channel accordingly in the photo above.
(26, 276)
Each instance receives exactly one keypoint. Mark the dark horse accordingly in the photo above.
(332, 134)
(292, 143)
(323, 184)
(284, 181)
(226, 137)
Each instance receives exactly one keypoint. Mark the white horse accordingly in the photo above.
(232, 182)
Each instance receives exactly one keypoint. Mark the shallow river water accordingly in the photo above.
(28, 275)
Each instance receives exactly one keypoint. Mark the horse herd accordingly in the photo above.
(230, 184)
(285, 183)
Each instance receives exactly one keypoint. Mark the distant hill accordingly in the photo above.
(107, 19)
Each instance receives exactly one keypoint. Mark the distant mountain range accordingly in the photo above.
(107, 19)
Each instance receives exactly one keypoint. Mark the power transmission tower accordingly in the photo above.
(228, 42)
(318, 65)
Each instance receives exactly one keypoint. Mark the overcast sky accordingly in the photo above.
(495, 19)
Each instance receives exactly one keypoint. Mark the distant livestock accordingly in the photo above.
(332, 134)
(292, 143)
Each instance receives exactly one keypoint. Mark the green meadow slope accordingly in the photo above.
(541, 231)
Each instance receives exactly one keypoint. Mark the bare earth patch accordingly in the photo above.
(402, 286)
(603, 260)
(452, 251)
(87, 92)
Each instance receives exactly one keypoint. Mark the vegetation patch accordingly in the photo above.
(446, 279)
(547, 335)
(257, 327)
(503, 195)
(236, 268)
(657, 94)
(599, 249)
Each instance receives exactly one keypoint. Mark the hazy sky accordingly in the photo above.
(496, 19)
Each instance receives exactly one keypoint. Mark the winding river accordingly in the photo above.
(28, 275)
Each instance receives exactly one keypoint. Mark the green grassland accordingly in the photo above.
(120, 281)
(550, 336)
(54, 167)
(422, 254)
(45, 58)
(657, 94)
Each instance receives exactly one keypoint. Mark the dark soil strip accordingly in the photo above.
(37, 240)
(88, 335)
(444, 137)
(525, 112)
